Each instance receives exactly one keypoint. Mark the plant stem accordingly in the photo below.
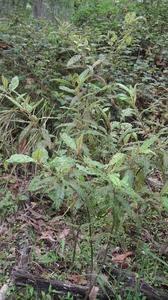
(108, 243)
(91, 246)
(75, 244)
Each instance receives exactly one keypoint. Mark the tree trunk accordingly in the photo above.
(38, 8)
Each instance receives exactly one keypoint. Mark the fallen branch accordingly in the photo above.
(22, 278)
(132, 281)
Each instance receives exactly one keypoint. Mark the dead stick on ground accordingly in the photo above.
(22, 278)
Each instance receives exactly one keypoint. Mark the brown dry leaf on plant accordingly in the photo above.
(22, 145)
(3, 292)
(36, 215)
(77, 279)
(47, 235)
(30, 81)
(38, 251)
(2, 229)
(64, 233)
(120, 258)
(93, 293)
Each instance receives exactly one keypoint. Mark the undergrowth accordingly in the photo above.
(83, 143)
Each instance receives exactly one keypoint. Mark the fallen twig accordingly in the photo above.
(22, 278)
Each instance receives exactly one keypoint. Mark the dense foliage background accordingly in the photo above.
(83, 140)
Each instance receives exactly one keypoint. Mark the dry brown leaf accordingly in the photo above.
(120, 258)
(2, 229)
(33, 204)
(78, 249)
(23, 144)
(47, 235)
(36, 214)
(12, 254)
(104, 278)
(77, 279)
(38, 251)
(93, 293)
(29, 81)
(164, 249)
(3, 292)
(56, 220)
(64, 233)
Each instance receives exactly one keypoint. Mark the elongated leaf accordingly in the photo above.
(93, 163)
(62, 81)
(17, 104)
(79, 144)
(128, 178)
(130, 18)
(165, 189)
(57, 195)
(83, 76)
(39, 184)
(40, 155)
(14, 83)
(25, 132)
(64, 163)
(117, 160)
(69, 141)
(115, 179)
(124, 87)
(5, 82)
(66, 89)
(146, 144)
(73, 60)
(19, 159)
(165, 203)
(46, 137)
(87, 170)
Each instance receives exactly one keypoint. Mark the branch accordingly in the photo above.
(22, 278)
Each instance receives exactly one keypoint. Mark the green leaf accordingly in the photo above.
(19, 159)
(76, 187)
(165, 203)
(46, 137)
(5, 82)
(146, 144)
(130, 18)
(124, 87)
(69, 141)
(128, 112)
(93, 163)
(14, 83)
(117, 160)
(128, 178)
(115, 179)
(73, 60)
(63, 163)
(57, 195)
(165, 189)
(25, 132)
(17, 104)
(66, 89)
(87, 171)
(35, 184)
(83, 76)
(40, 184)
(40, 155)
